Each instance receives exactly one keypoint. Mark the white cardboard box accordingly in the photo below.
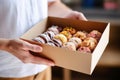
(73, 60)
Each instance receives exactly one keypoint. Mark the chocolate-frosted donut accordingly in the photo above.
(50, 34)
(50, 43)
(57, 42)
(39, 39)
(45, 37)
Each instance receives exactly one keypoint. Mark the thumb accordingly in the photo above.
(81, 16)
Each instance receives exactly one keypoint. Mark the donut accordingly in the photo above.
(39, 39)
(50, 34)
(77, 41)
(70, 46)
(80, 34)
(50, 43)
(59, 28)
(57, 42)
(45, 37)
(70, 29)
(67, 34)
(84, 50)
(54, 29)
(89, 42)
(61, 37)
(95, 34)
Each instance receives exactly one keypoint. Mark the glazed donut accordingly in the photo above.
(70, 29)
(77, 41)
(80, 34)
(89, 42)
(70, 46)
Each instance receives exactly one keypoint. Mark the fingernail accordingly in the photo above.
(39, 49)
(52, 64)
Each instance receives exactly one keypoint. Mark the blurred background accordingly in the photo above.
(108, 67)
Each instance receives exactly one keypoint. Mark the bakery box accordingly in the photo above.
(73, 60)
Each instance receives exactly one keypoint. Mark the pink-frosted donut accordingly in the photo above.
(54, 29)
(84, 50)
(95, 34)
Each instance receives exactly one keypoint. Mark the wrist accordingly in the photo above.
(3, 44)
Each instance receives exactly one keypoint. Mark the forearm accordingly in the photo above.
(58, 9)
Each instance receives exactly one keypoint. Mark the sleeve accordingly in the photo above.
(50, 0)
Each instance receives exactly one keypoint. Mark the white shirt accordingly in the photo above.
(16, 17)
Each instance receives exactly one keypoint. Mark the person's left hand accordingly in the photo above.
(76, 15)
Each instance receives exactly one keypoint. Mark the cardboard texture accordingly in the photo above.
(73, 60)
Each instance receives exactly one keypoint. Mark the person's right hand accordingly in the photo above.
(20, 49)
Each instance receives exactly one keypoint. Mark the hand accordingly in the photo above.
(76, 15)
(20, 49)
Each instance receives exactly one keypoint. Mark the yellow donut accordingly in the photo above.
(70, 29)
(67, 34)
(61, 37)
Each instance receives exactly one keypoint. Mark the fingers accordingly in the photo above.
(40, 60)
(20, 49)
(32, 47)
(76, 15)
(37, 60)
(80, 16)
(33, 59)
